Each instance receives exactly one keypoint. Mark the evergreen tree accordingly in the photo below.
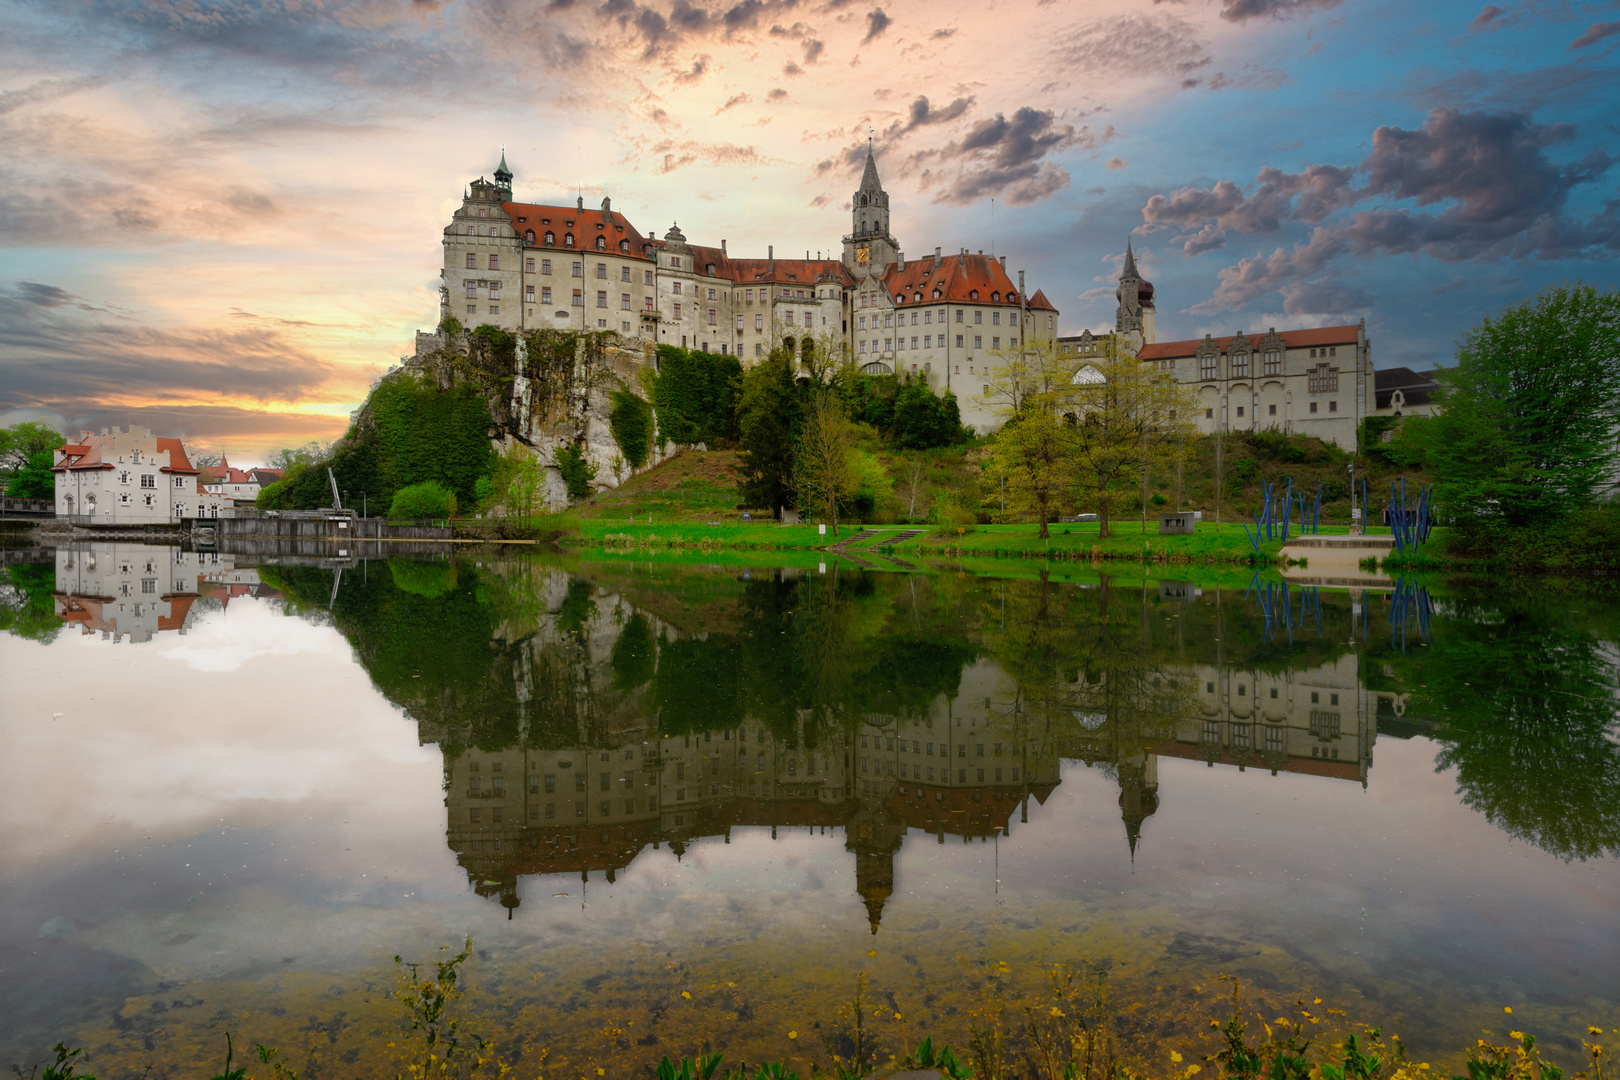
(1526, 432)
(768, 420)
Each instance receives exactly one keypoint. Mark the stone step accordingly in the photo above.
(1309, 540)
(899, 537)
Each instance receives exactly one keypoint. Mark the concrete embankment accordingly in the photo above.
(1332, 560)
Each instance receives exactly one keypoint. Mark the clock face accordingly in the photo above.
(863, 255)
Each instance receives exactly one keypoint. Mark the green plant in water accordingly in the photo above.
(437, 1045)
(701, 1069)
(65, 1067)
(942, 1059)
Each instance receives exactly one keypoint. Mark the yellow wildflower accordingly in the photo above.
(687, 994)
(793, 1034)
(1175, 1058)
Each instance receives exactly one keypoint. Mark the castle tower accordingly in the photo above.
(503, 178)
(1133, 320)
(869, 248)
(1138, 795)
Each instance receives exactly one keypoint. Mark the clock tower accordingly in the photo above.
(869, 249)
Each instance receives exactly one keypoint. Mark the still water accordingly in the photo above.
(673, 803)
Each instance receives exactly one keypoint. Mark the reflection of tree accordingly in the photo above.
(1527, 692)
(26, 609)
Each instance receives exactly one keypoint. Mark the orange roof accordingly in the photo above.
(1292, 339)
(87, 453)
(178, 462)
(787, 271)
(561, 220)
(958, 279)
(1039, 302)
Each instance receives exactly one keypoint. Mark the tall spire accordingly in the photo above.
(869, 178)
(503, 176)
(1130, 261)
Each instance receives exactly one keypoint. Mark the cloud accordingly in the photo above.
(1209, 238)
(1280, 198)
(778, 94)
(1254, 277)
(699, 67)
(1594, 34)
(1115, 163)
(999, 157)
(1131, 46)
(813, 50)
(58, 351)
(876, 23)
(1487, 14)
(732, 101)
(674, 155)
(943, 32)
(1244, 10)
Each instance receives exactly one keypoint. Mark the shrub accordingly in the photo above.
(632, 423)
(429, 499)
(576, 471)
(696, 395)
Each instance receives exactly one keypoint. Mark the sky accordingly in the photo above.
(221, 218)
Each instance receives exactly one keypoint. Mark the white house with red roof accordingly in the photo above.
(524, 266)
(238, 485)
(130, 477)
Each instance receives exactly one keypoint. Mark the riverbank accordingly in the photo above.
(1078, 542)
(1585, 544)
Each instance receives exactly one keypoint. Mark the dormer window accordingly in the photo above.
(600, 226)
(624, 246)
(522, 219)
(936, 294)
(973, 294)
(568, 240)
(551, 238)
(711, 269)
(601, 243)
(528, 236)
(995, 296)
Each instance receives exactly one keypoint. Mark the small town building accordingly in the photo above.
(238, 485)
(130, 477)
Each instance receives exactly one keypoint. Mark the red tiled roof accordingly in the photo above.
(786, 271)
(177, 453)
(1339, 770)
(1039, 302)
(1292, 339)
(959, 279)
(532, 217)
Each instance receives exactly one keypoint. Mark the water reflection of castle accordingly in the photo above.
(140, 590)
(963, 769)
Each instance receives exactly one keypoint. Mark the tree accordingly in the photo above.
(20, 442)
(202, 458)
(1032, 371)
(826, 475)
(767, 420)
(696, 396)
(429, 499)
(1527, 427)
(1032, 450)
(287, 458)
(912, 488)
(34, 480)
(1128, 420)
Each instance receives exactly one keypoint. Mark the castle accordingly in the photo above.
(944, 317)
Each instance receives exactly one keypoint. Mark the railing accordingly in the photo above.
(12, 505)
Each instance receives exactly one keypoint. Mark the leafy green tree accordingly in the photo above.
(20, 442)
(1528, 418)
(696, 396)
(429, 499)
(924, 420)
(26, 607)
(825, 475)
(34, 480)
(768, 419)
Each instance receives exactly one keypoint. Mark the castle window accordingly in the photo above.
(545, 266)
(978, 342)
(568, 240)
(677, 311)
(1273, 362)
(1313, 406)
(579, 298)
(973, 295)
(978, 316)
(711, 316)
(601, 270)
(936, 294)
(601, 298)
(675, 287)
(472, 261)
(551, 238)
(995, 343)
(1272, 410)
(711, 294)
(1323, 379)
(1333, 406)
(647, 275)
(472, 291)
(995, 316)
(624, 301)
(624, 246)
(576, 269)
(528, 266)
(494, 262)
(995, 296)
(483, 211)
(759, 322)
(647, 303)
(494, 290)
(739, 324)
(1209, 367)
(958, 341)
(624, 273)
(711, 269)
(1209, 414)
(1240, 366)
(528, 294)
(601, 243)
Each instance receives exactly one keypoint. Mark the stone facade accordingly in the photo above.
(948, 319)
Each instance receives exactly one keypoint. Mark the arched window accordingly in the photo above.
(551, 238)
(568, 240)
(865, 199)
(711, 269)
(601, 243)
(528, 235)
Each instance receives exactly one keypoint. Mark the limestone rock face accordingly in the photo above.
(551, 391)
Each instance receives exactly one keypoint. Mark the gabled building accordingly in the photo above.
(237, 485)
(130, 477)
(948, 319)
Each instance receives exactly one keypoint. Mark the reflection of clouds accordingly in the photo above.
(250, 708)
(225, 640)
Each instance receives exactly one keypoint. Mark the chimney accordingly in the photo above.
(1003, 261)
(722, 245)
(770, 252)
(607, 205)
(936, 258)
(900, 261)
(581, 204)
